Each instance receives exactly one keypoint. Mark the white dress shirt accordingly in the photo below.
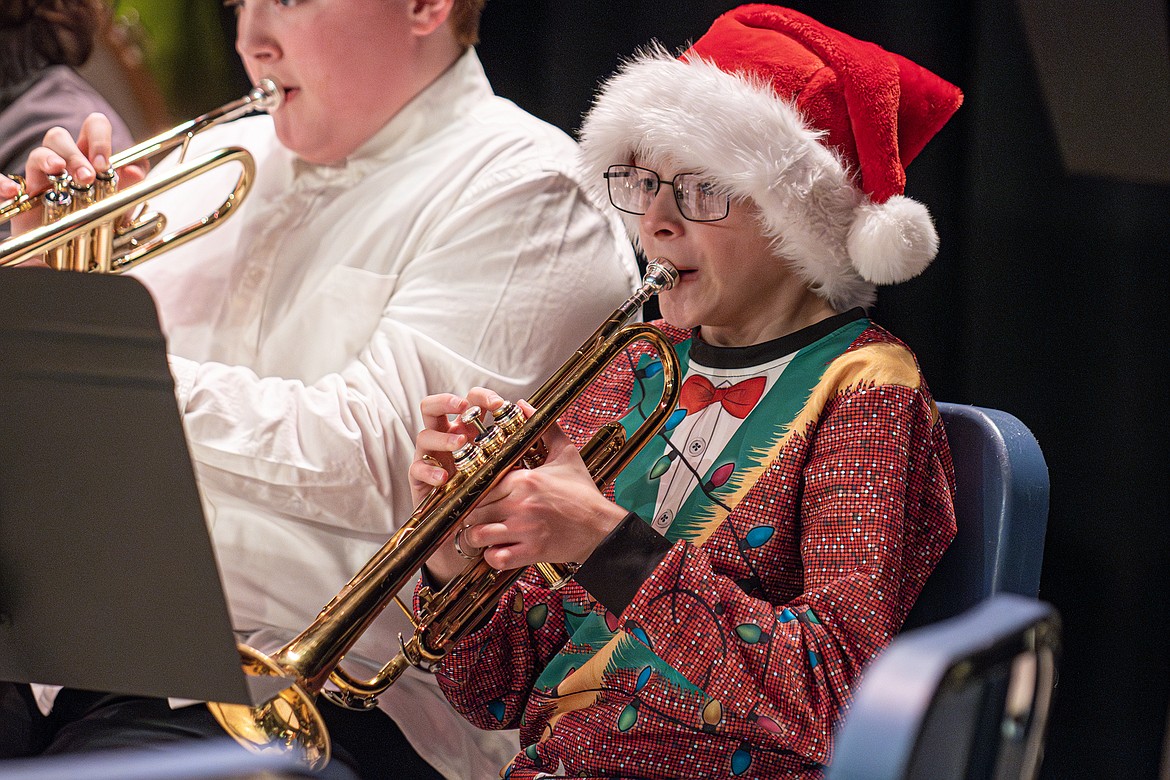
(457, 247)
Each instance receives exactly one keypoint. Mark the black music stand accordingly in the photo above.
(108, 580)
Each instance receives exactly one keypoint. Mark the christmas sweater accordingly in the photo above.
(729, 645)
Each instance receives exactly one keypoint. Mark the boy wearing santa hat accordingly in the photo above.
(767, 545)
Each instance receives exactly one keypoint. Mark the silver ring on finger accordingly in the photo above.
(459, 547)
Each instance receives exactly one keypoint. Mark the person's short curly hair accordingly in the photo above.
(465, 20)
(60, 31)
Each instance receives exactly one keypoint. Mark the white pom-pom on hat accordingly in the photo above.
(892, 242)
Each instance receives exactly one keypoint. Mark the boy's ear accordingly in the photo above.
(426, 16)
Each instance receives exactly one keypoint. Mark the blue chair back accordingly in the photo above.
(1001, 508)
(967, 697)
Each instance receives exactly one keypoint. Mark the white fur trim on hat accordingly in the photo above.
(659, 109)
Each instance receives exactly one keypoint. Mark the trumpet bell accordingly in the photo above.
(290, 721)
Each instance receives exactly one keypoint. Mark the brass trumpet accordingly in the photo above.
(291, 721)
(84, 227)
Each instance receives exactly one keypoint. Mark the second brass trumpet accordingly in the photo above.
(83, 228)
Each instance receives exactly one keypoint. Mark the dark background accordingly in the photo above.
(1049, 189)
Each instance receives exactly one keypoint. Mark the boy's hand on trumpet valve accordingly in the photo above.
(553, 513)
(82, 158)
(434, 464)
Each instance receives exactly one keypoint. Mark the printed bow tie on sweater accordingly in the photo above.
(698, 393)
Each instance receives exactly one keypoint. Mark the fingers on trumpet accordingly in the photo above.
(438, 438)
(81, 158)
(451, 422)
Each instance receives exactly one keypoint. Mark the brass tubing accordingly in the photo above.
(81, 248)
(58, 203)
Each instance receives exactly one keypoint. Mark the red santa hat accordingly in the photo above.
(815, 127)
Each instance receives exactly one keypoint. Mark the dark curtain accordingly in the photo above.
(1044, 302)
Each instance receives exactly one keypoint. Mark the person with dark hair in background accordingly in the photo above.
(41, 43)
(408, 231)
(760, 551)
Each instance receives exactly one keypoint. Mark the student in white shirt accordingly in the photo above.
(408, 232)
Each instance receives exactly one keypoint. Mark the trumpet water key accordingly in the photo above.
(291, 720)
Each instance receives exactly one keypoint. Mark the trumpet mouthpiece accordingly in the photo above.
(660, 275)
(267, 95)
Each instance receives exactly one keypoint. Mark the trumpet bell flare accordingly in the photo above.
(288, 722)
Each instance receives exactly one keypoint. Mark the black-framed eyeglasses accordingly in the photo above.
(633, 189)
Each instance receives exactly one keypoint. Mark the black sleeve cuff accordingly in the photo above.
(622, 562)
